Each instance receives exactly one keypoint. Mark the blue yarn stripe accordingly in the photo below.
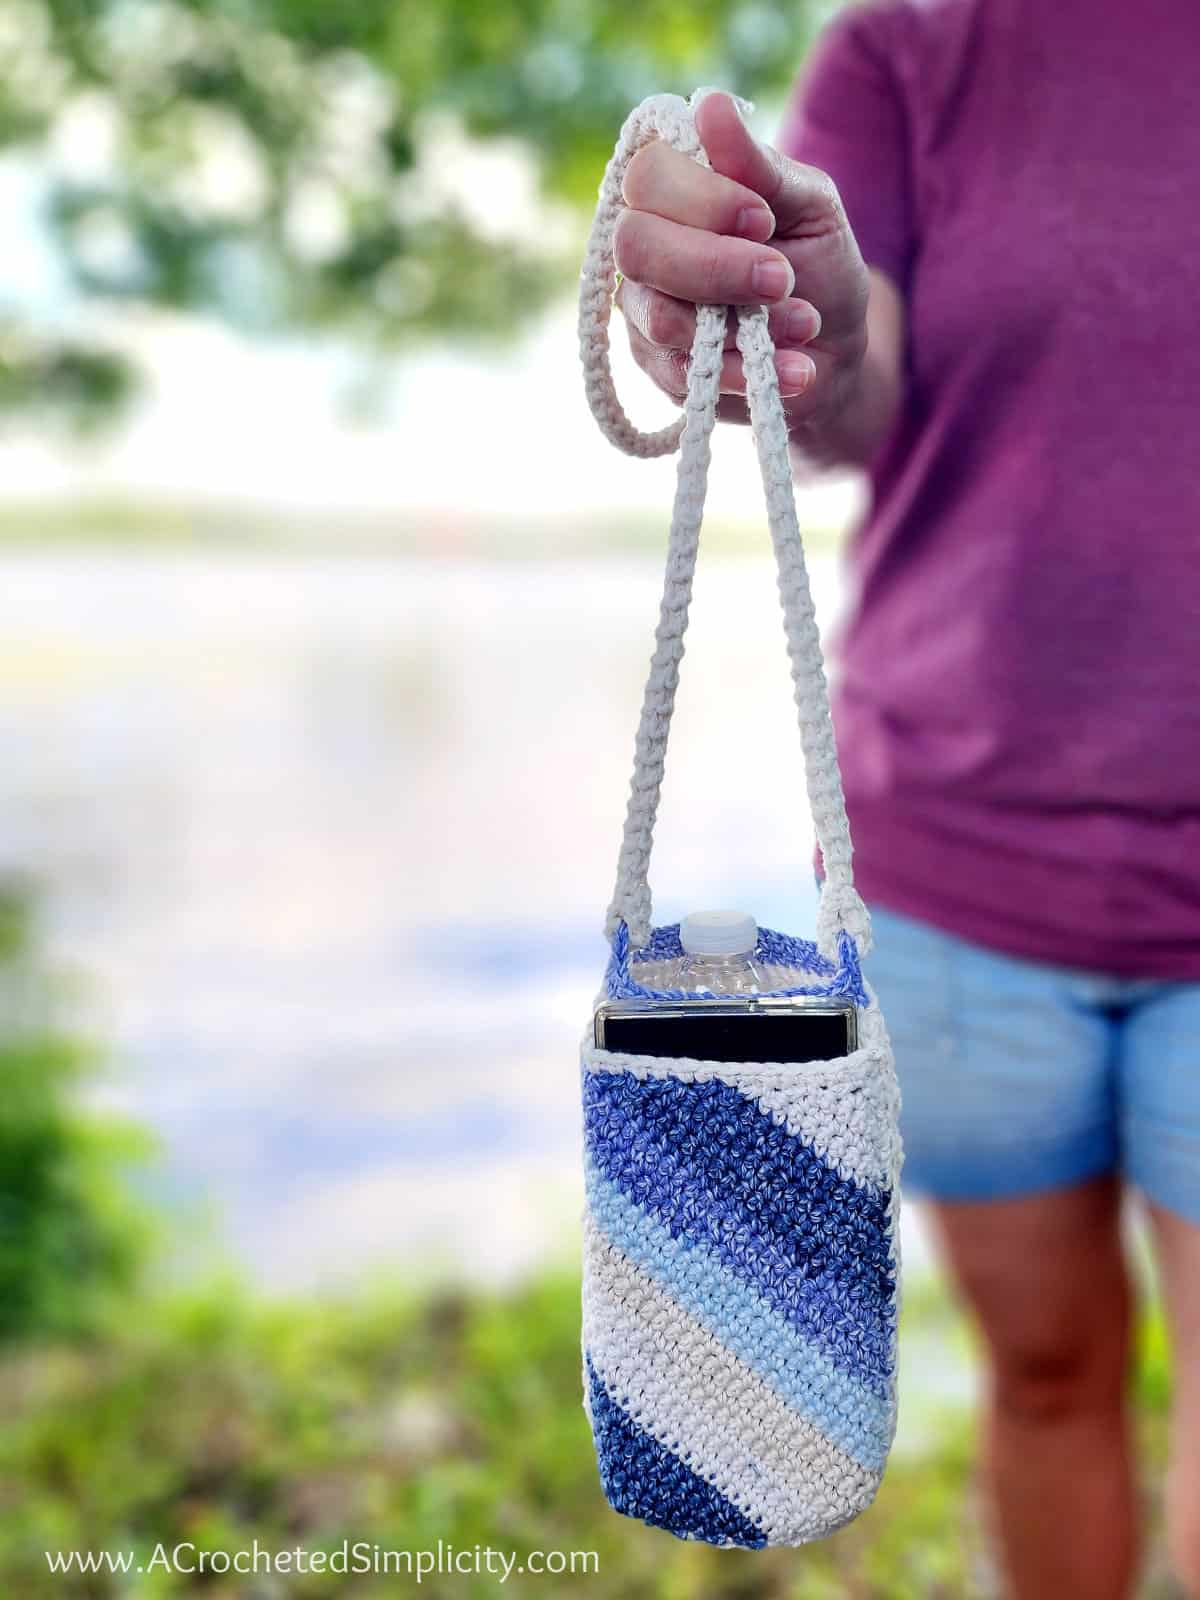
(642, 1478)
(792, 1194)
(847, 1412)
(717, 1170)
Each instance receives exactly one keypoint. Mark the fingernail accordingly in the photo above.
(796, 371)
(772, 280)
(755, 222)
(802, 324)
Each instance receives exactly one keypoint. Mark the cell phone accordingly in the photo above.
(799, 1029)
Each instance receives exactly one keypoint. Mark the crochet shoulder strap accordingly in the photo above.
(841, 910)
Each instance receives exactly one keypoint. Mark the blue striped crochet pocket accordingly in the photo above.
(740, 1289)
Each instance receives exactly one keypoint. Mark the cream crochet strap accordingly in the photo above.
(672, 119)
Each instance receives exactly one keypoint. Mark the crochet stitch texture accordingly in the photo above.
(740, 1238)
(740, 1287)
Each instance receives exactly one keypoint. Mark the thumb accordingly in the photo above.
(803, 199)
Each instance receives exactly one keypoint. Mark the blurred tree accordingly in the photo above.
(72, 1239)
(375, 165)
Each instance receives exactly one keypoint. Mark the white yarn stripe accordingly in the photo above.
(857, 1136)
(669, 118)
(687, 1391)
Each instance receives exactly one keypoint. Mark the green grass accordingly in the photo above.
(399, 1420)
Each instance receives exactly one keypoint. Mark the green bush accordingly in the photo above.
(72, 1239)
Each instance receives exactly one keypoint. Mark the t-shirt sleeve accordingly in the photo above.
(847, 115)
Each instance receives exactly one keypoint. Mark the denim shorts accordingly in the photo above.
(1017, 1076)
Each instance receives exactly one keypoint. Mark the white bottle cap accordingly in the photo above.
(718, 933)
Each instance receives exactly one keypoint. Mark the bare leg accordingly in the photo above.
(1177, 1244)
(1046, 1279)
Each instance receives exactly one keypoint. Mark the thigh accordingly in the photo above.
(1046, 1279)
(1005, 1066)
(1159, 1089)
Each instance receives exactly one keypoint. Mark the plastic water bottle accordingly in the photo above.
(717, 951)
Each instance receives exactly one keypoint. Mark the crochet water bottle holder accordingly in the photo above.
(740, 1238)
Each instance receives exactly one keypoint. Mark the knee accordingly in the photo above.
(1044, 1382)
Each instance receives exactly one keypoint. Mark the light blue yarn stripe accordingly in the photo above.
(857, 1421)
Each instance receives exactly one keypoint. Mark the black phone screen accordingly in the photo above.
(734, 1036)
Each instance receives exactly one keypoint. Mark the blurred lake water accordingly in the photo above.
(331, 840)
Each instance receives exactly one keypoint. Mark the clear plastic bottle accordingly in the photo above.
(717, 951)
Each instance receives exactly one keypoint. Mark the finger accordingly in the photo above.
(660, 318)
(795, 370)
(669, 369)
(665, 366)
(663, 320)
(804, 199)
(792, 322)
(672, 185)
(695, 265)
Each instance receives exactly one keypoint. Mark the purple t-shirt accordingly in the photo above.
(1018, 708)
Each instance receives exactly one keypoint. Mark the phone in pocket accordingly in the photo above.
(802, 1028)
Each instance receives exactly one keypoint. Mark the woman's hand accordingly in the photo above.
(758, 228)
